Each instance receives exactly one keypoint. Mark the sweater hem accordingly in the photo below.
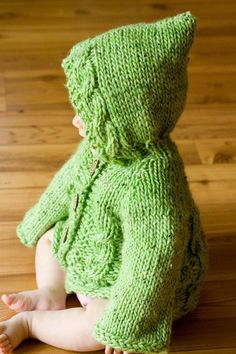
(96, 292)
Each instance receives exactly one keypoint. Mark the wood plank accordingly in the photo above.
(2, 93)
(25, 179)
(37, 137)
(39, 134)
(31, 118)
(216, 150)
(35, 157)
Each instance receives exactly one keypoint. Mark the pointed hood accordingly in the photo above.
(129, 85)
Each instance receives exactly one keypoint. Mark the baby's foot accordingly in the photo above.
(38, 299)
(13, 332)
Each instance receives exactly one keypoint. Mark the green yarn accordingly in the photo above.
(129, 85)
(128, 228)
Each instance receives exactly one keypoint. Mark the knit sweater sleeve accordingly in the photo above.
(52, 205)
(139, 313)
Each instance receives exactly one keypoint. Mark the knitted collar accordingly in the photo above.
(129, 85)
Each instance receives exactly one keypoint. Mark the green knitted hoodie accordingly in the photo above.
(126, 225)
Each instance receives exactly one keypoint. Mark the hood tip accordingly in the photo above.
(189, 17)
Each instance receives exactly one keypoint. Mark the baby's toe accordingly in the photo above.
(4, 344)
(7, 349)
(2, 328)
(8, 298)
(4, 339)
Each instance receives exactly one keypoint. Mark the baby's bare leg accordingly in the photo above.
(69, 329)
(49, 274)
(76, 324)
(50, 279)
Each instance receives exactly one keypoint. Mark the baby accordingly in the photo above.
(38, 310)
(117, 225)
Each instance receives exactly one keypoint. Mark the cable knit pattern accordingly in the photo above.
(126, 225)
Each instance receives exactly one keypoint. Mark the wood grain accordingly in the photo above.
(37, 137)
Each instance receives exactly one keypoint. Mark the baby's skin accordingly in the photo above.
(41, 313)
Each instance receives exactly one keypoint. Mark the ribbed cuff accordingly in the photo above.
(126, 344)
(30, 242)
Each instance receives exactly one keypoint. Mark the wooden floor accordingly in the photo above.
(37, 136)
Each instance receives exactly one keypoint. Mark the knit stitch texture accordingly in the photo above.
(126, 225)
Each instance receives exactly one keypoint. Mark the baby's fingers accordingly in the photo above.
(117, 351)
(108, 350)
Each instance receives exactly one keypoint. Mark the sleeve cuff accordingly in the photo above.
(23, 238)
(126, 344)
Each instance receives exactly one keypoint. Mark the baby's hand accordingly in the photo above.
(108, 350)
